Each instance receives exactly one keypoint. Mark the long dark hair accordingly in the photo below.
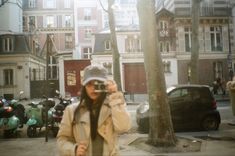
(86, 101)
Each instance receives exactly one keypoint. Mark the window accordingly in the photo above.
(188, 39)
(8, 76)
(216, 38)
(88, 33)
(31, 21)
(167, 66)
(52, 68)
(163, 28)
(49, 4)
(67, 21)
(71, 78)
(32, 3)
(25, 23)
(207, 8)
(87, 52)
(87, 14)
(50, 21)
(179, 93)
(164, 46)
(7, 44)
(68, 41)
(107, 45)
(67, 3)
(218, 69)
(161, 46)
(133, 44)
(108, 66)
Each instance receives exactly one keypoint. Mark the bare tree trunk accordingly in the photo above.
(195, 42)
(161, 130)
(116, 55)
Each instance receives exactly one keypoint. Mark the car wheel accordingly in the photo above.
(143, 125)
(210, 123)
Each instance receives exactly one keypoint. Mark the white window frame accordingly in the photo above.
(53, 66)
(88, 32)
(8, 77)
(67, 4)
(133, 44)
(32, 3)
(7, 44)
(50, 21)
(68, 41)
(87, 51)
(217, 30)
(49, 4)
(188, 32)
(67, 21)
(87, 14)
(107, 45)
(218, 69)
(167, 66)
(164, 28)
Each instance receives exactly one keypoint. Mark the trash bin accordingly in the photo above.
(231, 89)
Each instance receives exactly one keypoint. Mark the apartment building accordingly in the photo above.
(11, 14)
(174, 32)
(19, 53)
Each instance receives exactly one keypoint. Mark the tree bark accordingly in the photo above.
(161, 131)
(195, 42)
(115, 55)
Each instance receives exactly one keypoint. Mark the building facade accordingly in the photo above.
(12, 9)
(20, 63)
(175, 33)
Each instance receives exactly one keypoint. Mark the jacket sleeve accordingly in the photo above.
(120, 116)
(65, 140)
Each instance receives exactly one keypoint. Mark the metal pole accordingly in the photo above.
(47, 75)
(230, 69)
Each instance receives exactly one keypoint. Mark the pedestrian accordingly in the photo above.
(91, 127)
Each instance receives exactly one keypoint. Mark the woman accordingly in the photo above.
(90, 128)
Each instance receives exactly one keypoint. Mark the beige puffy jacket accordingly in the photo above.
(113, 120)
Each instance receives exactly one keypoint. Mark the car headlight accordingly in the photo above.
(144, 108)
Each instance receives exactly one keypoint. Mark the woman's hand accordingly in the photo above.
(81, 149)
(111, 86)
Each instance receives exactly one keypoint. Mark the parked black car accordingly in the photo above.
(193, 107)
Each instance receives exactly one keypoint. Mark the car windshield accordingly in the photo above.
(169, 89)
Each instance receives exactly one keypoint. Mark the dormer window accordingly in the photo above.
(7, 44)
(107, 45)
(163, 28)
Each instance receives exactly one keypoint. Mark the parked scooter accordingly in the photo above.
(36, 115)
(58, 111)
(8, 121)
(18, 109)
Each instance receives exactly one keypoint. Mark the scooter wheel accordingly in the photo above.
(55, 131)
(10, 133)
(31, 131)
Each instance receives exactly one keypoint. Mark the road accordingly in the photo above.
(223, 107)
(24, 146)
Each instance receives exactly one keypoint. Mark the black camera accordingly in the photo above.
(100, 86)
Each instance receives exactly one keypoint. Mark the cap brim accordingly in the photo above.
(93, 78)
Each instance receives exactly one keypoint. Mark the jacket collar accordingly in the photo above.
(105, 112)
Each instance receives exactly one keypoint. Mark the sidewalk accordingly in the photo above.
(215, 144)
(221, 97)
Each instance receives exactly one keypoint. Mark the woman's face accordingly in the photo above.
(90, 89)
